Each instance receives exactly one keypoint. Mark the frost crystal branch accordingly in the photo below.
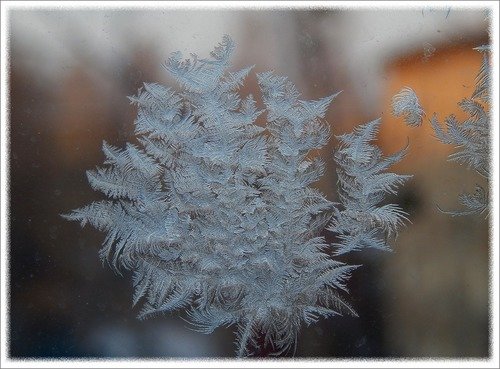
(406, 104)
(363, 185)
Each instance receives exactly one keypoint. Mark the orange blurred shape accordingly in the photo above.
(440, 81)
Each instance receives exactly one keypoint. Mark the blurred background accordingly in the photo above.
(70, 73)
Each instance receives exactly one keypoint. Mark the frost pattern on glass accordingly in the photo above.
(215, 215)
(471, 137)
(363, 186)
(406, 104)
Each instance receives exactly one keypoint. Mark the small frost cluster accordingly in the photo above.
(471, 137)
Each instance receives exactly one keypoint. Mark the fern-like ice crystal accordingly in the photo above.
(364, 182)
(214, 214)
(406, 104)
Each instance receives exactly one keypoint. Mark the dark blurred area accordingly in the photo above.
(70, 73)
